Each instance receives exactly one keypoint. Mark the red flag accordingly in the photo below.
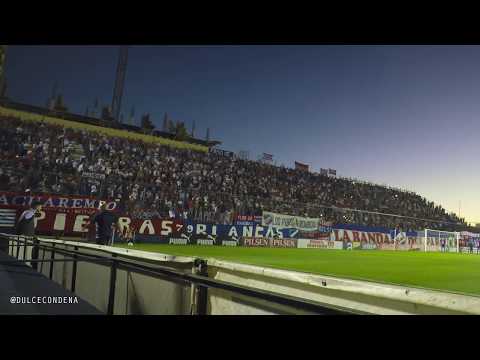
(300, 166)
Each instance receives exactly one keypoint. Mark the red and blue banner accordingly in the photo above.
(71, 216)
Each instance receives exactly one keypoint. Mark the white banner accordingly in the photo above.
(288, 221)
(319, 244)
(93, 175)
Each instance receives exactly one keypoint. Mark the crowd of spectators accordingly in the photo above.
(151, 180)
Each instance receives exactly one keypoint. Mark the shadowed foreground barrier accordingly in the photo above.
(123, 281)
(23, 291)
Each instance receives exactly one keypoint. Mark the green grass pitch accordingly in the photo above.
(459, 273)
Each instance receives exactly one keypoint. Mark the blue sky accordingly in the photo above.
(406, 116)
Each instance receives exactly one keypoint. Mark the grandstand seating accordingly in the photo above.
(93, 125)
(184, 180)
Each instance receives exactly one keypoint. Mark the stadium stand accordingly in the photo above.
(182, 180)
(73, 121)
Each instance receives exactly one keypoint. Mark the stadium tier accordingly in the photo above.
(151, 180)
(93, 127)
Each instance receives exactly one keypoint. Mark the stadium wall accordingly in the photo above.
(134, 293)
(361, 296)
(26, 116)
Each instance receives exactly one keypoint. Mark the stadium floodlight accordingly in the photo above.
(432, 240)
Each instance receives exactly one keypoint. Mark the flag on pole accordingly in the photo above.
(300, 166)
(267, 157)
(7, 217)
(332, 172)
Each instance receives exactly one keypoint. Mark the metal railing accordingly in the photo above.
(199, 279)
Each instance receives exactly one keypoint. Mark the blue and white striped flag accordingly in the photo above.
(267, 157)
(7, 218)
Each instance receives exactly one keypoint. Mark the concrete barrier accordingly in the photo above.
(361, 296)
(134, 293)
(141, 294)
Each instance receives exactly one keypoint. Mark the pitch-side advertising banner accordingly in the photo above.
(319, 244)
(361, 236)
(68, 215)
(54, 202)
(71, 216)
(407, 241)
(226, 235)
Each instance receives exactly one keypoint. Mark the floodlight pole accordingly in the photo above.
(3, 55)
(119, 82)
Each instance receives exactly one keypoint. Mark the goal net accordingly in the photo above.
(436, 240)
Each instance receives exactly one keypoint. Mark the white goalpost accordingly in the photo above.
(433, 240)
